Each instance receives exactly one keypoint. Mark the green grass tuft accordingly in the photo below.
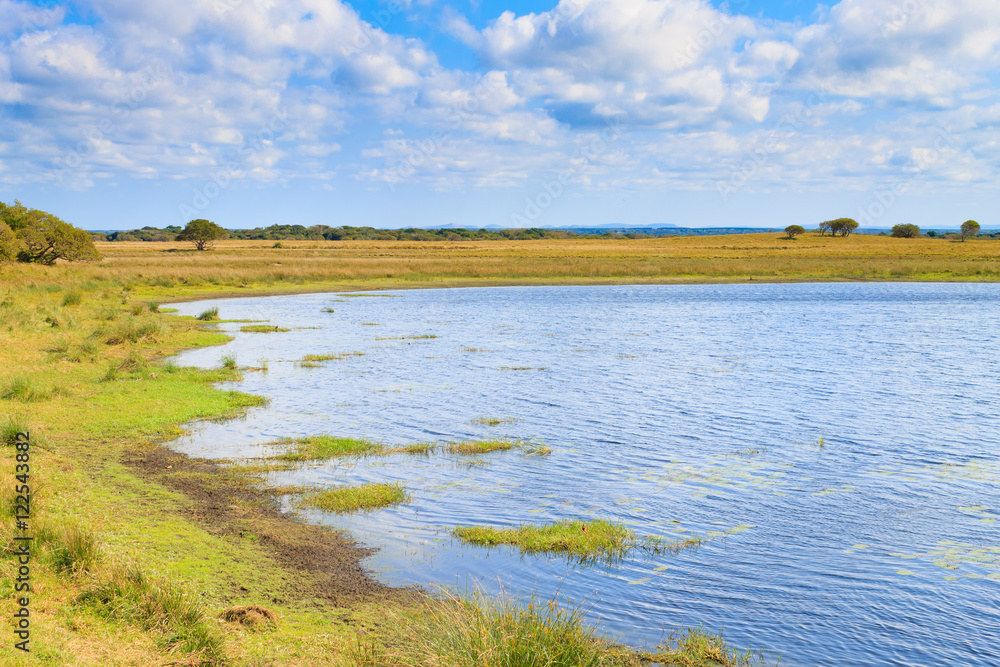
(228, 361)
(125, 594)
(327, 357)
(73, 550)
(261, 328)
(585, 541)
(356, 498)
(133, 330)
(22, 389)
(480, 630)
(318, 447)
(582, 539)
(698, 648)
(209, 315)
(473, 447)
(72, 298)
(13, 425)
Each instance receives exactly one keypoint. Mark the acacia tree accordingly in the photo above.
(969, 228)
(794, 230)
(43, 238)
(905, 231)
(843, 226)
(201, 233)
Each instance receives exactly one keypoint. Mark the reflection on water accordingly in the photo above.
(838, 442)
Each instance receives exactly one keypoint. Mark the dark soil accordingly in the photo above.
(327, 564)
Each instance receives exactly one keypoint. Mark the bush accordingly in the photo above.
(905, 231)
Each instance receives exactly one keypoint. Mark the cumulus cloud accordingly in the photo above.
(696, 94)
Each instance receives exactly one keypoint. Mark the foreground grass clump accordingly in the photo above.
(480, 630)
(473, 447)
(698, 648)
(125, 594)
(356, 498)
(317, 447)
(580, 540)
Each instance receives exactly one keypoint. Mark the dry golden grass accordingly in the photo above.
(171, 270)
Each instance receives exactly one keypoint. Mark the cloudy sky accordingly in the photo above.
(123, 113)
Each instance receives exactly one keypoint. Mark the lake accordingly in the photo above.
(837, 445)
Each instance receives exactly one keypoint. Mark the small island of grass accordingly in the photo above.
(356, 498)
(583, 540)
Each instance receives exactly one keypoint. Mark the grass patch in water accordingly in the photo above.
(209, 315)
(522, 368)
(595, 539)
(493, 421)
(421, 337)
(698, 648)
(473, 447)
(356, 498)
(327, 357)
(425, 448)
(262, 328)
(317, 447)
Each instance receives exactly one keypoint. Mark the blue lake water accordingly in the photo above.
(838, 444)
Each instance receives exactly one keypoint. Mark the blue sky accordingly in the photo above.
(117, 114)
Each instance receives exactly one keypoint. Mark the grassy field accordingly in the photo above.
(141, 554)
(175, 270)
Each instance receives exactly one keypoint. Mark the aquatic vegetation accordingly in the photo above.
(228, 361)
(536, 449)
(595, 539)
(369, 324)
(209, 315)
(328, 357)
(473, 447)
(493, 421)
(355, 498)
(421, 337)
(698, 648)
(262, 328)
(328, 310)
(522, 368)
(980, 562)
(318, 447)
(309, 364)
(425, 448)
